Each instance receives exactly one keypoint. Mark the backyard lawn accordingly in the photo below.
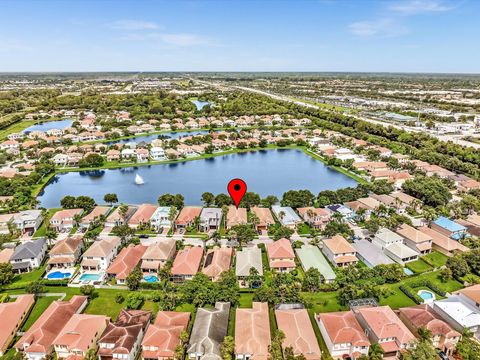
(324, 301)
(41, 304)
(418, 266)
(43, 228)
(436, 258)
(26, 278)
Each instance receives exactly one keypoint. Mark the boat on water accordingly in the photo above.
(139, 180)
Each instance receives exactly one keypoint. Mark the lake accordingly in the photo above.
(200, 104)
(49, 125)
(266, 172)
(151, 137)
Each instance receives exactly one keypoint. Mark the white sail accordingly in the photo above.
(139, 180)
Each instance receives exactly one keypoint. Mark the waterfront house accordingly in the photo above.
(28, 255)
(252, 332)
(157, 254)
(65, 253)
(157, 153)
(64, 220)
(113, 155)
(163, 336)
(339, 251)
(343, 335)
(96, 214)
(37, 342)
(79, 335)
(317, 218)
(247, 258)
(281, 256)
(161, 218)
(13, 314)
(265, 218)
(310, 256)
(449, 228)
(210, 219)
(186, 263)
(443, 243)
(235, 216)
(299, 334)
(217, 261)
(444, 337)
(460, 313)
(122, 338)
(414, 239)
(126, 261)
(209, 330)
(346, 213)
(187, 216)
(100, 254)
(143, 215)
(117, 218)
(382, 326)
(287, 216)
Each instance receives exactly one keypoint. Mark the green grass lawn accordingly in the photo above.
(41, 304)
(395, 298)
(324, 301)
(24, 279)
(436, 258)
(43, 228)
(186, 308)
(418, 266)
(246, 300)
(304, 229)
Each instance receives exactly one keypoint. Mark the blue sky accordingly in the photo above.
(246, 35)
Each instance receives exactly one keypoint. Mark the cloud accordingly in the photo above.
(133, 25)
(381, 27)
(414, 7)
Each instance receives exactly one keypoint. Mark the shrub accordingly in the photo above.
(407, 290)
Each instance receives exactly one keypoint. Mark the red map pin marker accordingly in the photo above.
(237, 188)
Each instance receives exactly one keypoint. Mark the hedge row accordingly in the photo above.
(430, 285)
(407, 290)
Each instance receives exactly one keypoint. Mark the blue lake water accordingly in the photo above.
(267, 172)
(49, 125)
(200, 104)
(151, 137)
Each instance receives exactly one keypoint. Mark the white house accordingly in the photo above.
(157, 153)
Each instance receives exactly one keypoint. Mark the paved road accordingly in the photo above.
(453, 138)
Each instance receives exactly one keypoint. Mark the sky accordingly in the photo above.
(246, 35)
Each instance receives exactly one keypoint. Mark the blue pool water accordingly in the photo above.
(150, 278)
(407, 271)
(49, 125)
(425, 295)
(58, 275)
(90, 277)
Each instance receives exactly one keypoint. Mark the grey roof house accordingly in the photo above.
(371, 254)
(28, 255)
(210, 219)
(209, 330)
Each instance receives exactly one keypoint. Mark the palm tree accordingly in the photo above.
(172, 215)
(429, 214)
(224, 214)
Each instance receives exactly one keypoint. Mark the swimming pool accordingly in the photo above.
(407, 271)
(58, 275)
(426, 295)
(90, 277)
(150, 278)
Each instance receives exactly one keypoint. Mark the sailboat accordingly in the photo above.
(139, 180)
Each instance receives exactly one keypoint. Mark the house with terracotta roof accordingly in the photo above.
(443, 243)
(414, 239)
(402, 200)
(100, 254)
(382, 326)
(208, 332)
(217, 260)
(187, 216)
(126, 262)
(470, 295)
(235, 216)
(143, 215)
(63, 220)
(5, 255)
(13, 314)
(317, 218)
(339, 251)
(65, 253)
(299, 333)
(343, 334)
(444, 337)
(79, 335)
(252, 332)
(37, 342)
(281, 256)
(122, 338)
(157, 254)
(163, 336)
(94, 215)
(186, 263)
(265, 218)
(117, 218)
